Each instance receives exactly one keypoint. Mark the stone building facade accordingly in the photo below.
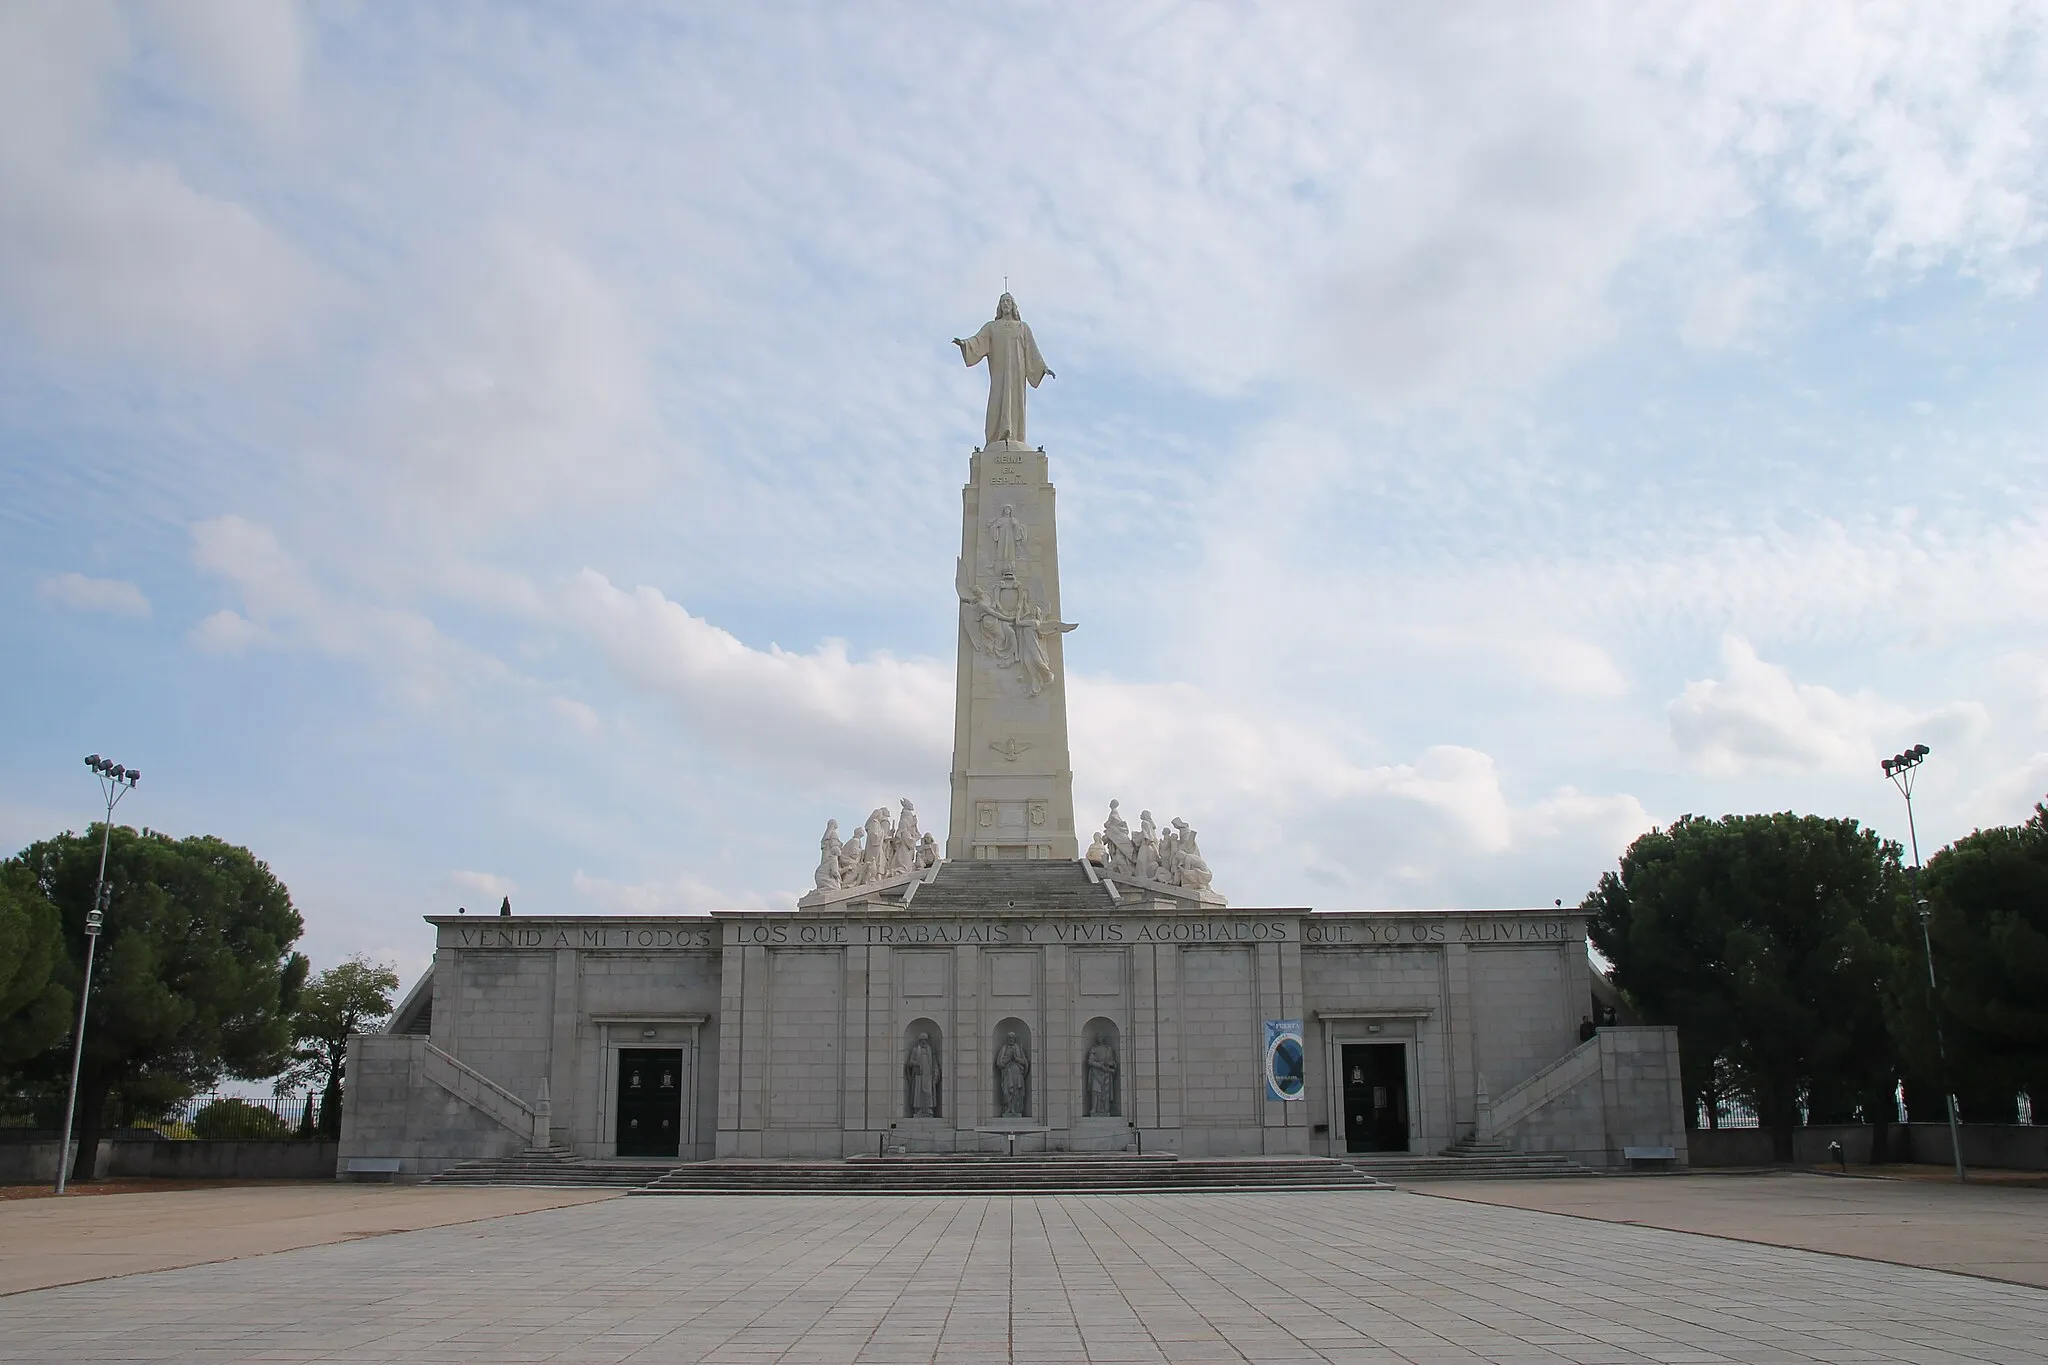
(790, 1035)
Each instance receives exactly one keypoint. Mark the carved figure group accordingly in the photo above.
(877, 851)
(1013, 636)
(1169, 859)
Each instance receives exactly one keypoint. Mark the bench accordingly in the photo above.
(1635, 1155)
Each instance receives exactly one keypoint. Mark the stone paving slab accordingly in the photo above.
(51, 1241)
(1269, 1277)
(2000, 1232)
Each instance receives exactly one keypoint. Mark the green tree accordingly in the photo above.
(35, 1005)
(1988, 899)
(349, 998)
(1766, 940)
(195, 975)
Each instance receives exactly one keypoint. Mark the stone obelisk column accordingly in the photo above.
(1013, 782)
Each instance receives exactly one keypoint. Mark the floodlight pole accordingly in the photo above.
(115, 783)
(1900, 770)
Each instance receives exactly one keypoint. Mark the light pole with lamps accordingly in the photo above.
(1900, 769)
(115, 783)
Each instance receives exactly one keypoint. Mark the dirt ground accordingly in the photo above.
(1996, 1226)
(125, 1227)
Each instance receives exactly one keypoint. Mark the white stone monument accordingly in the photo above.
(1013, 784)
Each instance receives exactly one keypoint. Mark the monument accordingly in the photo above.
(1013, 788)
(1098, 998)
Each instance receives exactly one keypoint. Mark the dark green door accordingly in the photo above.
(650, 1101)
(1375, 1097)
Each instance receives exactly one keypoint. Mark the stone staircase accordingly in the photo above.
(1468, 1158)
(977, 887)
(553, 1166)
(1004, 1175)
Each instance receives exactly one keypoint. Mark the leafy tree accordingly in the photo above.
(35, 1005)
(195, 975)
(1988, 897)
(1766, 940)
(349, 998)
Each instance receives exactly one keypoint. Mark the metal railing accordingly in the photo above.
(237, 1116)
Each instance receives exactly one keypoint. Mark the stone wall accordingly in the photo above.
(1618, 1091)
(398, 1123)
(1996, 1146)
(24, 1163)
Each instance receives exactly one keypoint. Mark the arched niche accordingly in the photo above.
(1102, 1069)
(997, 1069)
(918, 1088)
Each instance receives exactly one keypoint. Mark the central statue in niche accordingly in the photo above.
(1013, 1077)
(1013, 362)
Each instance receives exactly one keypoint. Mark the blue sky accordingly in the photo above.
(462, 450)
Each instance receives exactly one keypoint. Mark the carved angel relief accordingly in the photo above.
(1005, 623)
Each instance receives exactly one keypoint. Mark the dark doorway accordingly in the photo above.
(650, 1101)
(1375, 1097)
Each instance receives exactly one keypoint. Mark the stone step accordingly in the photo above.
(1508, 1165)
(1074, 1174)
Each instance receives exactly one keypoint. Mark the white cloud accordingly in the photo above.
(402, 648)
(115, 596)
(248, 54)
(122, 253)
(488, 885)
(579, 714)
(515, 384)
(1756, 718)
(225, 632)
(679, 895)
(820, 711)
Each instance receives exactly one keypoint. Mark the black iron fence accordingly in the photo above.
(238, 1116)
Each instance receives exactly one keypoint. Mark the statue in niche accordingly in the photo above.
(1100, 1066)
(921, 1076)
(829, 849)
(1189, 868)
(904, 847)
(1010, 535)
(1013, 1077)
(1013, 362)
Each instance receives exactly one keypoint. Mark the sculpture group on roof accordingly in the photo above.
(878, 851)
(1171, 858)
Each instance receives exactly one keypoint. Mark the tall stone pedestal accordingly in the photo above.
(1013, 784)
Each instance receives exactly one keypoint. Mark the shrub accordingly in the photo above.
(232, 1118)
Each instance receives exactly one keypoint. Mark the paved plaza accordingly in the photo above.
(1265, 1277)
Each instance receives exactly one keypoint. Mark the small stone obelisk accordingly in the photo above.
(1013, 782)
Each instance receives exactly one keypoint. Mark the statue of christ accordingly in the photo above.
(1013, 362)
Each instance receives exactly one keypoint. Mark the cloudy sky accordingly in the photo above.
(458, 449)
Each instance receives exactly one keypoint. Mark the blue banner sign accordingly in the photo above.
(1283, 1059)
